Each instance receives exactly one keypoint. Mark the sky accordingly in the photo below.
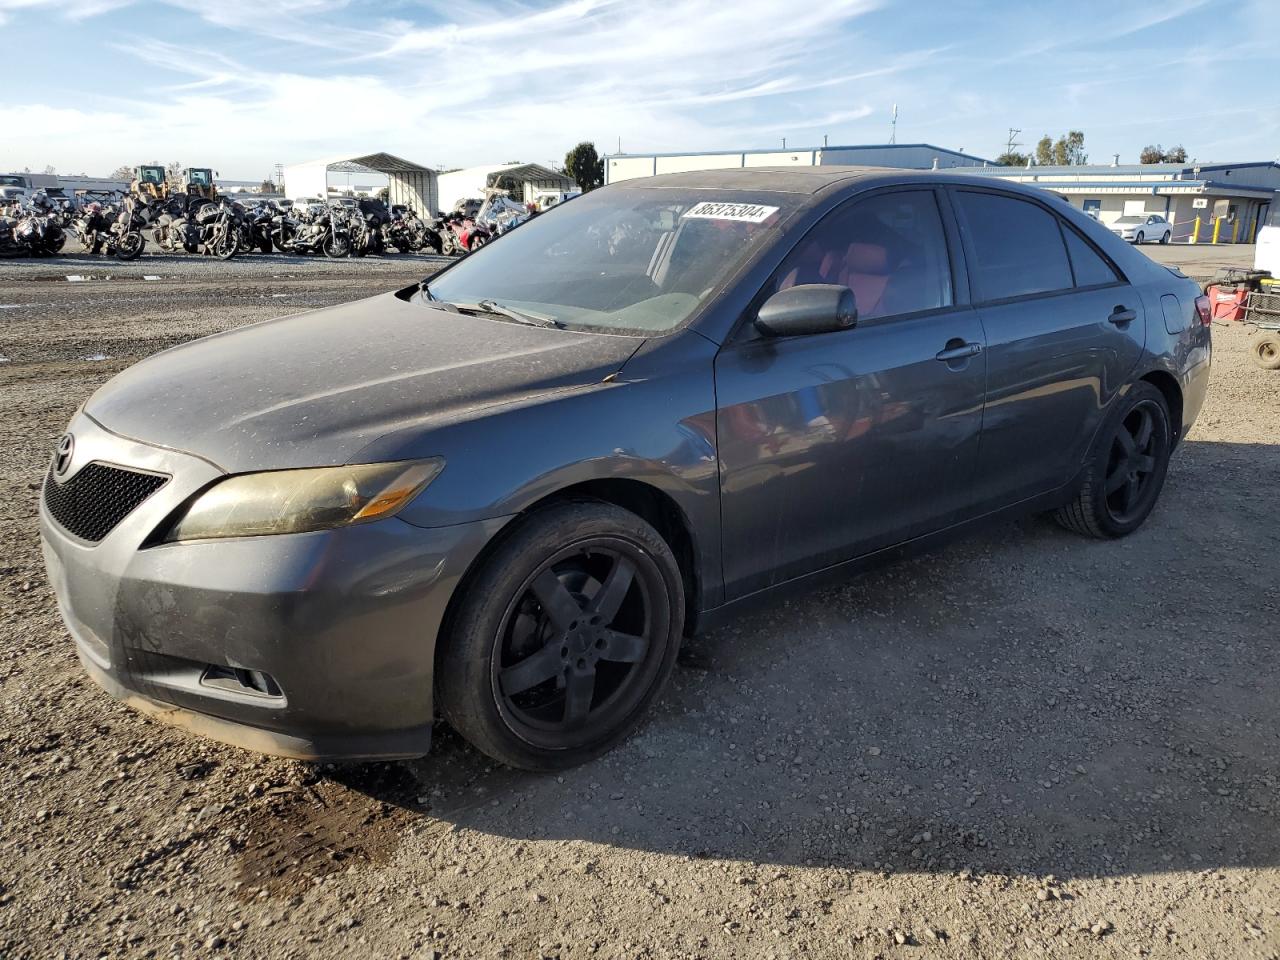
(91, 85)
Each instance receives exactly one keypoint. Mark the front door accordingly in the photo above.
(833, 445)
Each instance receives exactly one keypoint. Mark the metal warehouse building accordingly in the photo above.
(409, 183)
(910, 156)
(1237, 194)
(525, 182)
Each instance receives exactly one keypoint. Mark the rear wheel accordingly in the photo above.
(1126, 469)
(1264, 348)
(563, 638)
(1165, 238)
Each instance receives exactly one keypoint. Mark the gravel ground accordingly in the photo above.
(1025, 745)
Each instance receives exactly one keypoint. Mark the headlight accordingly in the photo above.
(293, 501)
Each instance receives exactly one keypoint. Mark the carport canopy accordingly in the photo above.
(408, 183)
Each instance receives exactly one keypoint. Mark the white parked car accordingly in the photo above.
(1141, 228)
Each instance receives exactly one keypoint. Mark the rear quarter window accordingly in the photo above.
(1090, 268)
(1016, 248)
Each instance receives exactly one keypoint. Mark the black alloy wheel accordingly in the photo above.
(563, 637)
(1131, 467)
(1126, 469)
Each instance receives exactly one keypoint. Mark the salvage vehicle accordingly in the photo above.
(506, 493)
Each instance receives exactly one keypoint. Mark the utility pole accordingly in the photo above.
(784, 143)
(893, 127)
(279, 174)
(1011, 143)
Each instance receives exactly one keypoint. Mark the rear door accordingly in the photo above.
(1064, 330)
(832, 445)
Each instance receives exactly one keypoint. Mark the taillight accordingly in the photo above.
(1204, 310)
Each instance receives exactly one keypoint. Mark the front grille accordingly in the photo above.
(98, 497)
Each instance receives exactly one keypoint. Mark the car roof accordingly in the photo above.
(803, 180)
(814, 182)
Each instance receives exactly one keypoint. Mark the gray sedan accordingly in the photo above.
(505, 494)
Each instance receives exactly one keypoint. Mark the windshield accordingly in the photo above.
(1131, 220)
(622, 259)
(201, 177)
(10, 181)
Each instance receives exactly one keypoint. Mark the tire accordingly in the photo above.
(477, 241)
(1140, 238)
(1264, 348)
(336, 247)
(1165, 238)
(1108, 504)
(527, 671)
(130, 246)
(226, 244)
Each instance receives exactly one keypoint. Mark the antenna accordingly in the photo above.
(893, 127)
(1011, 143)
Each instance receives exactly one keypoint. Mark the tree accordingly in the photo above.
(121, 173)
(1158, 154)
(173, 172)
(50, 171)
(267, 186)
(1066, 151)
(1012, 158)
(584, 165)
(384, 194)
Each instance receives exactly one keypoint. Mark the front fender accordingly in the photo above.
(653, 424)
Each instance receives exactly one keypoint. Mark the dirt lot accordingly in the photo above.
(1026, 745)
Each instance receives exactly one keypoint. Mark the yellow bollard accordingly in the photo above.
(1195, 232)
(1235, 230)
(1253, 230)
(1217, 228)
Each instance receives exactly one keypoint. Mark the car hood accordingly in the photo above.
(315, 388)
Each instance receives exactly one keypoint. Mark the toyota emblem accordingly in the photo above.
(62, 457)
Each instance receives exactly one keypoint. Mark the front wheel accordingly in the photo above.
(130, 246)
(1264, 348)
(336, 246)
(563, 638)
(225, 244)
(1126, 469)
(1139, 238)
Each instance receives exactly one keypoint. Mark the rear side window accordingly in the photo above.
(1090, 269)
(889, 249)
(1016, 247)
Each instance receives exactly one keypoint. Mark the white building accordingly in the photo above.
(910, 156)
(1237, 194)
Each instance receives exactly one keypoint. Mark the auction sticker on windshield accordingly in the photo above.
(717, 210)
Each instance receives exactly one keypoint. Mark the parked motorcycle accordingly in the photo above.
(460, 234)
(40, 233)
(325, 232)
(254, 225)
(105, 231)
(408, 232)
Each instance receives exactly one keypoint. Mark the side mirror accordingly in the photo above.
(807, 308)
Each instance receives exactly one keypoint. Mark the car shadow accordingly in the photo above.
(1024, 701)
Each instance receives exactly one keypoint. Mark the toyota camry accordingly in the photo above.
(502, 496)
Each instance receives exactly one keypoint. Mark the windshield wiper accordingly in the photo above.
(519, 316)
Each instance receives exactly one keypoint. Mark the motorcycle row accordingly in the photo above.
(223, 228)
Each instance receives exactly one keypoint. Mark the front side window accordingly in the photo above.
(621, 259)
(1016, 246)
(889, 249)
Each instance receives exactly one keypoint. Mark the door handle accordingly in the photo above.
(1122, 315)
(958, 350)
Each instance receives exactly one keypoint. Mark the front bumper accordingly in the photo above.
(344, 622)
